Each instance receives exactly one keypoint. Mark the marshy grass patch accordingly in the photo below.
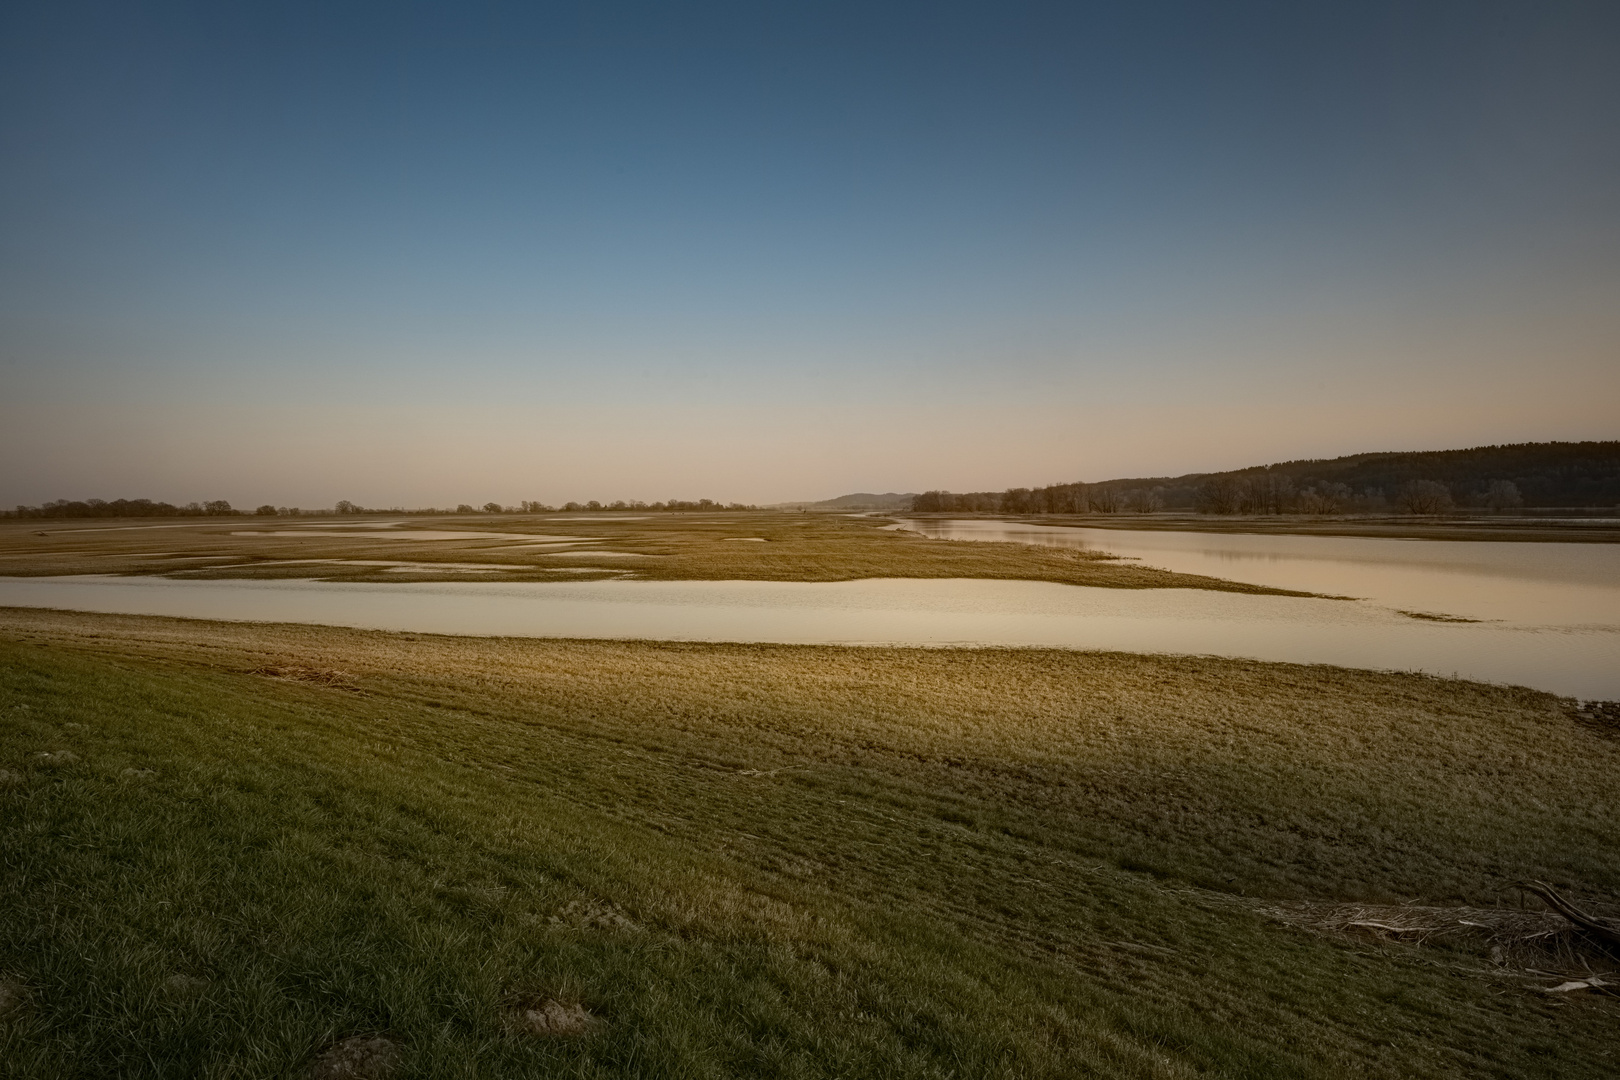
(1430, 616)
(741, 546)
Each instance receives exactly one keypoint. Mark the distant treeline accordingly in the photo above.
(675, 505)
(121, 508)
(1583, 475)
(125, 508)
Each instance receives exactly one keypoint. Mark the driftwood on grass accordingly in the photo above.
(1390, 928)
(1591, 982)
(1599, 929)
(337, 679)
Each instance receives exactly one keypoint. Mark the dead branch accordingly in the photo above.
(1591, 982)
(1391, 929)
(1592, 925)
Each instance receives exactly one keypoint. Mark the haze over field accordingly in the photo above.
(296, 253)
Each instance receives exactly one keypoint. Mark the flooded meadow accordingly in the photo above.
(1537, 614)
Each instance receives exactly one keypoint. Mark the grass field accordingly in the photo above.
(228, 847)
(763, 546)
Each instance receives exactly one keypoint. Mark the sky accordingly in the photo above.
(414, 254)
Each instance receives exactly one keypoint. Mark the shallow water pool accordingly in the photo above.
(1582, 661)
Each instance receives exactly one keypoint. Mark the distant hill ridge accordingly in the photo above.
(1576, 475)
(861, 500)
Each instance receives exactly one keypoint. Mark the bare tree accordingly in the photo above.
(1326, 499)
(1104, 500)
(1424, 497)
(1503, 495)
(1016, 501)
(1265, 493)
(1144, 500)
(1217, 495)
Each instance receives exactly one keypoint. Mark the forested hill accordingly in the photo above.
(1546, 474)
(1530, 475)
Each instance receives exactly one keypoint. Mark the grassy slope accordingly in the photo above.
(795, 547)
(765, 861)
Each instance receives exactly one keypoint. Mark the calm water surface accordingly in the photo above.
(1582, 661)
(1525, 584)
(380, 532)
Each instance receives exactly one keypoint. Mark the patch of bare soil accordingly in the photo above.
(184, 985)
(319, 676)
(359, 1057)
(594, 915)
(9, 778)
(473, 897)
(13, 996)
(551, 1018)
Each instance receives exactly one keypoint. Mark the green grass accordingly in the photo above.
(766, 860)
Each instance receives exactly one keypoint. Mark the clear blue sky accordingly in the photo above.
(432, 253)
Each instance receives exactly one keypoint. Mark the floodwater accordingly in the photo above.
(313, 532)
(1581, 661)
(396, 566)
(575, 554)
(1526, 584)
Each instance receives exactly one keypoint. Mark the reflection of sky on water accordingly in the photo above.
(1538, 584)
(1580, 662)
(420, 534)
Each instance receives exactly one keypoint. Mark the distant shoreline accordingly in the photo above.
(1596, 530)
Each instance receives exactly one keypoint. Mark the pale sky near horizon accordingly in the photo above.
(421, 254)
